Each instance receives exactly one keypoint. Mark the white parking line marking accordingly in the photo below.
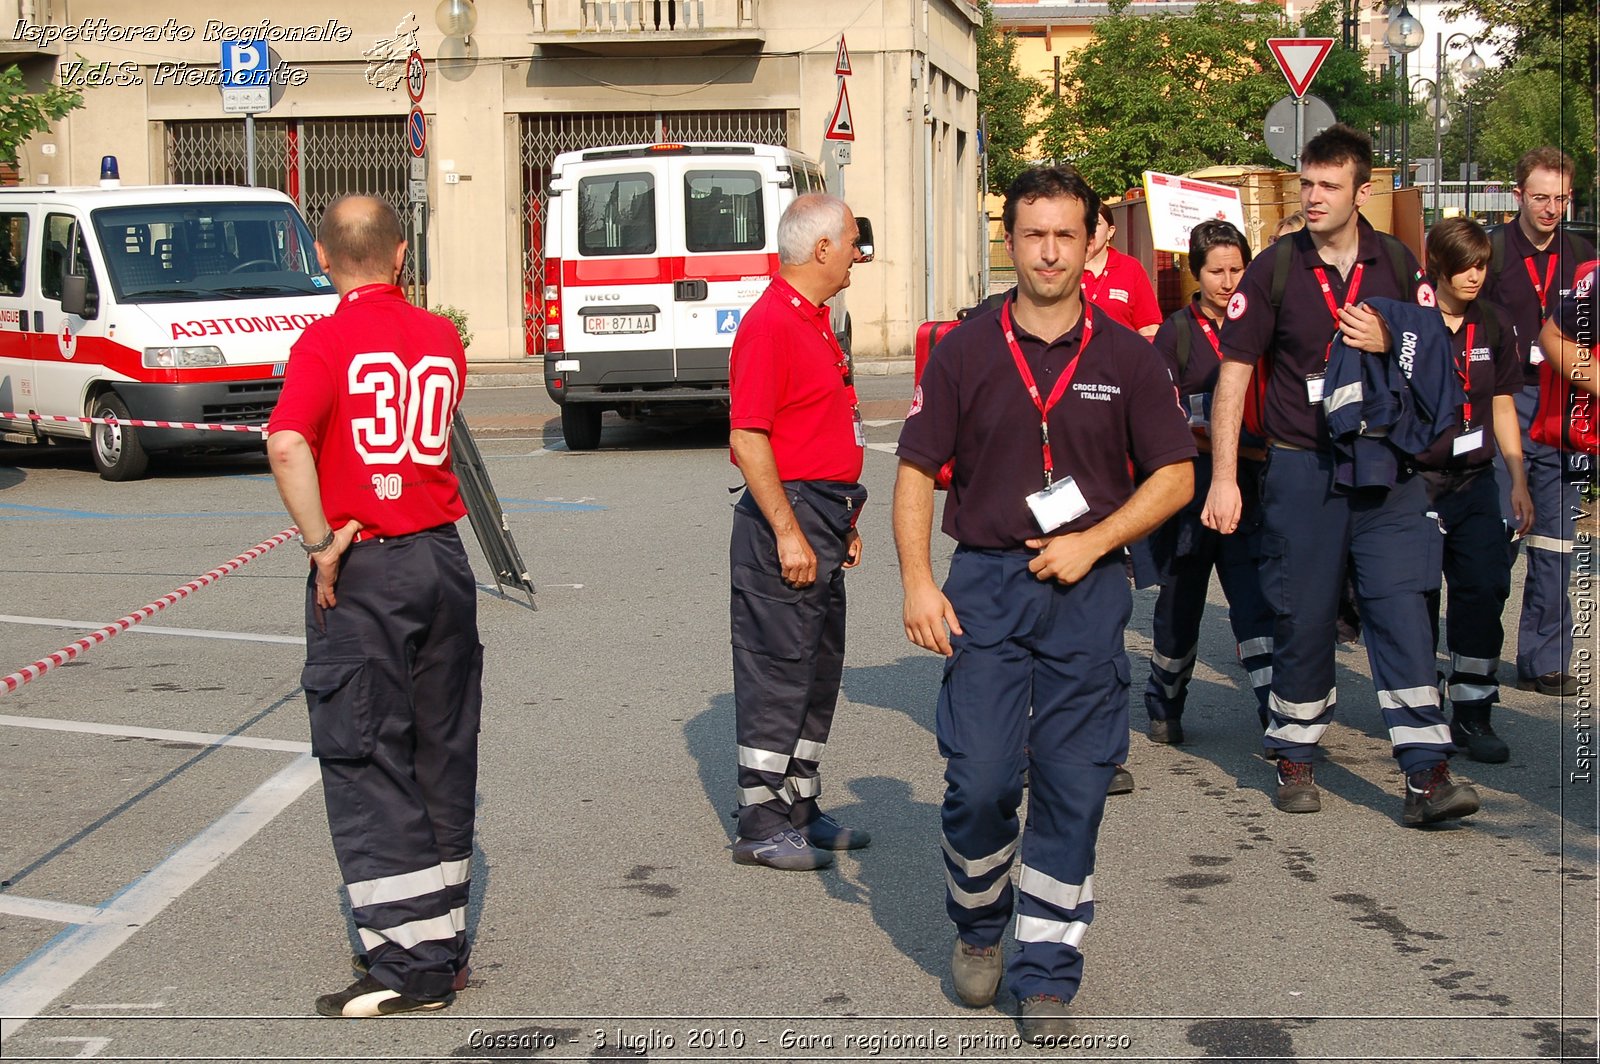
(91, 1047)
(288, 746)
(33, 985)
(886, 448)
(150, 629)
(880, 422)
(59, 912)
(129, 1006)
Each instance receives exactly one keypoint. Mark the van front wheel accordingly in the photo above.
(580, 425)
(118, 454)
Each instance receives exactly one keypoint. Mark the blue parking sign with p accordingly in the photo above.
(245, 64)
(727, 321)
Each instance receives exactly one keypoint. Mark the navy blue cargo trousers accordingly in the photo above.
(393, 679)
(1056, 650)
(1393, 541)
(788, 654)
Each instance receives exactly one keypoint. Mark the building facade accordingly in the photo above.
(528, 81)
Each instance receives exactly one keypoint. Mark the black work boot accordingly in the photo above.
(1432, 796)
(1471, 731)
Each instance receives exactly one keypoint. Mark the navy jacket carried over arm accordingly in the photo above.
(1382, 408)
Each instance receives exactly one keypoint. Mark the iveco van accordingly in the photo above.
(653, 253)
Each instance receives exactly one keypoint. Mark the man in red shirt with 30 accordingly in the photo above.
(360, 450)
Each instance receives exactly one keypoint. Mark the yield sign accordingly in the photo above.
(841, 126)
(841, 62)
(1300, 58)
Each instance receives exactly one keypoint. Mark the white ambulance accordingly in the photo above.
(653, 253)
(160, 303)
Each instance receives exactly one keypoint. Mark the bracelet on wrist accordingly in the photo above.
(318, 547)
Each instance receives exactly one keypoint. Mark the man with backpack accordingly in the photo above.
(1532, 262)
(1309, 527)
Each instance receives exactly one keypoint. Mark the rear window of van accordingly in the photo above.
(723, 211)
(617, 214)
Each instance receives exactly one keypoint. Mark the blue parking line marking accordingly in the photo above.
(548, 505)
(18, 512)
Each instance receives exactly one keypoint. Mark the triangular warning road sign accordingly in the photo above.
(841, 126)
(841, 62)
(1300, 58)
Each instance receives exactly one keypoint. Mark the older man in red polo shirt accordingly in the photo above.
(796, 435)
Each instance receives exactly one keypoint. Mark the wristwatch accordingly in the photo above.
(318, 547)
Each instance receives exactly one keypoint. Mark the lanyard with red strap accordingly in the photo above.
(1044, 406)
(1205, 327)
(1464, 370)
(1092, 288)
(1542, 290)
(1333, 305)
(799, 305)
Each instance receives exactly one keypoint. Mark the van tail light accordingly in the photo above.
(553, 343)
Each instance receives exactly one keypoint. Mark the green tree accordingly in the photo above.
(1175, 93)
(24, 113)
(1553, 46)
(1165, 92)
(1006, 98)
(1356, 95)
(1515, 109)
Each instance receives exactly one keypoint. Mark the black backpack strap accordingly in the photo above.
(991, 303)
(1497, 250)
(1491, 328)
(1284, 250)
(1398, 256)
(1185, 337)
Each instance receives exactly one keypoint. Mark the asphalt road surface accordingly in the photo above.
(170, 892)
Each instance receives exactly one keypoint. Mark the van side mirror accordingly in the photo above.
(75, 296)
(864, 242)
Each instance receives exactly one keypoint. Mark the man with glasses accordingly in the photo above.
(1531, 268)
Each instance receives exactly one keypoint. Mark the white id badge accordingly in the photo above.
(1056, 505)
(1468, 441)
(1314, 385)
(1535, 355)
(861, 429)
(1197, 410)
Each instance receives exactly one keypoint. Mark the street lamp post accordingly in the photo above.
(1441, 122)
(1471, 67)
(1404, 36)
(1445, 44)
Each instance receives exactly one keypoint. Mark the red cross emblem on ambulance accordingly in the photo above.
(66, 343)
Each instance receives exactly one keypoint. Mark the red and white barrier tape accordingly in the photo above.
(135, 423)
(143, 613)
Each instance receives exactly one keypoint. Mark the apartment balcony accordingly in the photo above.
(27, 31)
(647, 27)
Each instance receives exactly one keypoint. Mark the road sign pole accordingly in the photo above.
(250, 149)
(1299, 129)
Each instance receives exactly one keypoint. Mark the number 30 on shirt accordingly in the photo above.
(412, 408)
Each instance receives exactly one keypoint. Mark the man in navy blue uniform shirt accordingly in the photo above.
(1047, 407)
(1532, 268)
(1308, 527)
